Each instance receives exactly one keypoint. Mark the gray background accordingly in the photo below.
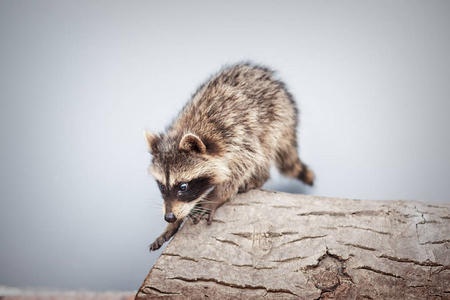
(80, 80)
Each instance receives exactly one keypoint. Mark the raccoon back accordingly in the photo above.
(241, 111)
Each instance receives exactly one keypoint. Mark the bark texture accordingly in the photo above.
(281, 246)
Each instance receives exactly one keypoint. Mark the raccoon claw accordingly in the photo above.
(210, 219)
(154, 247)
(157, 244)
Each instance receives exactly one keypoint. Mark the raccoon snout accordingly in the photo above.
(170, 217)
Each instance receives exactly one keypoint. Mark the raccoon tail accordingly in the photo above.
(290, 165)
(306, 175)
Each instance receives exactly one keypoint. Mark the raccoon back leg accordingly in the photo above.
(257, 180)
(288, 162)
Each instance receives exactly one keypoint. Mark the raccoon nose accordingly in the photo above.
(170, 217)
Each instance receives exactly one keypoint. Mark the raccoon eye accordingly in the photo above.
(183, 187)
(161, 187)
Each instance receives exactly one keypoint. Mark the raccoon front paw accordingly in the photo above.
(157, 243)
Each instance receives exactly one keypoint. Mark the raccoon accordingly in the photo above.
(224, 142)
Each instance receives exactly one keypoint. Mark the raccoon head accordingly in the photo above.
(186, 168)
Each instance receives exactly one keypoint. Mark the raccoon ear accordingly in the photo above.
(152, 141)
(191, 142)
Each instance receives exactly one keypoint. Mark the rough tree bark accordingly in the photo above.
(277, 245)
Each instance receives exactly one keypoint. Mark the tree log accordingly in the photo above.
(281, 246)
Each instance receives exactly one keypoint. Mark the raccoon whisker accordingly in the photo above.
(190, 219)
(158, 208)
(198, 211)
(199, 208)
(185, 211)
(197, 214)
(193, 217)
(206, 201)
(196, 208)
(156, 204)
